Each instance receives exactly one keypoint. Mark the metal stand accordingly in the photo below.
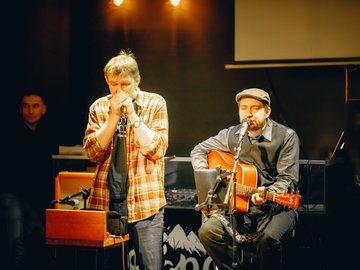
(232, 187)
(85, 193)
(213, 193)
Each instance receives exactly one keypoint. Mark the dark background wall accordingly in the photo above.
(62, 46)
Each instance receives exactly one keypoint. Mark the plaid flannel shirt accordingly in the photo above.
(146, 194)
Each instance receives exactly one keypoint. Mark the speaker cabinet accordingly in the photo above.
(312, 185)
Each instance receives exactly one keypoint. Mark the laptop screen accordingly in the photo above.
(205, 182)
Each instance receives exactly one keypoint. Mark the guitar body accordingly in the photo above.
(246, 175)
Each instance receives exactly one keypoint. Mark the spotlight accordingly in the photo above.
(174, 2)
(118, 2)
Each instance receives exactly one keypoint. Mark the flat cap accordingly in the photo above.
(256, 93)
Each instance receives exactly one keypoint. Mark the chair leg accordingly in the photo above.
(241, 257)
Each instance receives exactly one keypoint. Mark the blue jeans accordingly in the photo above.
(146, 238)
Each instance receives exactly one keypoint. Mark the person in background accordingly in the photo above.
(136, 190)
(30, 146)
(35, 143)
(273, 150)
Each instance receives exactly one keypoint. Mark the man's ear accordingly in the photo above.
(43, 110)
(138, 79)
(267, 111)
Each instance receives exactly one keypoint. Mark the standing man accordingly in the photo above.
(273, 149)
(130, 180)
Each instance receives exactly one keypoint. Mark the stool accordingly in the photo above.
(247, 253)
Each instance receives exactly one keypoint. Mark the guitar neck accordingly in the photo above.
(248, 191)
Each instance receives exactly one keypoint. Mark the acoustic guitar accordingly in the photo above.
(246, 183)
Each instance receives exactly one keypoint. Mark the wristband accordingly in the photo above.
(136, 124)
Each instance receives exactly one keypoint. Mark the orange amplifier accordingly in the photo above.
(79, 228)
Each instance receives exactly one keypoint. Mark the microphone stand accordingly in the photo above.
(232, 186)
(85, 193)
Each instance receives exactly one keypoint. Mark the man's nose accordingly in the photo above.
(119, 89)
(248, 113)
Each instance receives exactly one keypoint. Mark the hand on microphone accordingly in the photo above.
(120, 103)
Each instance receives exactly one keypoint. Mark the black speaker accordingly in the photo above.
(353, 139)
(312, 185)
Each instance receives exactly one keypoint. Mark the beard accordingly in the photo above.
(256, 125)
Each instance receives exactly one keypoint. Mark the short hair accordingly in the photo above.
(124, 63)
(32, 91)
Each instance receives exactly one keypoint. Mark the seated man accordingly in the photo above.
(273, 150)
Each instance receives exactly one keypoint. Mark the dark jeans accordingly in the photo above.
(146, 237)
(218, 242)
(22, 235)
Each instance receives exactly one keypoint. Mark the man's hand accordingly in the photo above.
(118, 101)
(258, 198)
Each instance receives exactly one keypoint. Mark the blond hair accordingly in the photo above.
(123, 63)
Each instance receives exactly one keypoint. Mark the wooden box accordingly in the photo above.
(79, 228)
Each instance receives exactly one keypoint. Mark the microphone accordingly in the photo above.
(244, 126)
(123, 109)
(72, 202)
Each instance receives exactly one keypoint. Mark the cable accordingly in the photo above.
(283, 119)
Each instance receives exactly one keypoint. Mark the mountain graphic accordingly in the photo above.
(177, 239)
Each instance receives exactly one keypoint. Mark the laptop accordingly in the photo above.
(205, 182)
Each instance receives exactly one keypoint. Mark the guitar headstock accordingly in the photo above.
(291, 200)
